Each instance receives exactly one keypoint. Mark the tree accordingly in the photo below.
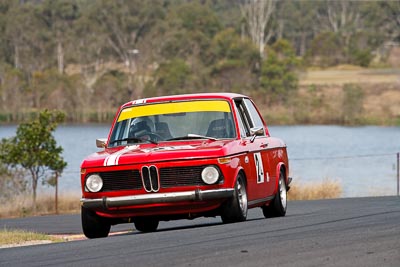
(124, 23)
(235, 62)
(341, 16)
(385, 16)
(382, 15)
(352, 104)
(4, 46)
(26, 34)
(188, 32)
(326, 50)
(298, 23)
(12, 182)
(186, 35)
(346, 22)
(172, 77)
(50, 84)
(13, 98)
(59, 17)
(278, 72)
(109, 92)
(258, 15)
(35, 150)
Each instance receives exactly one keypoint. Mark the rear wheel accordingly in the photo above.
(235, 209)
(94, 226)
(278, 205)
(146, 225)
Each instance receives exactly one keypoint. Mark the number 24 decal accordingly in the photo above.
(259, 167)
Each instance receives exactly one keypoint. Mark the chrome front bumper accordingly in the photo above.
(197, 195)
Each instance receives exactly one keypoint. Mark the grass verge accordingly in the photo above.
(21, 237)
(325, 189)
(21, 205)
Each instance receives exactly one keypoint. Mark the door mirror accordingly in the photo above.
(101, 142)
(257, 131)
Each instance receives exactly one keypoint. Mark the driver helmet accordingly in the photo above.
(140, 126)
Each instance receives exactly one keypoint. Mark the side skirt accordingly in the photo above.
(260, 202)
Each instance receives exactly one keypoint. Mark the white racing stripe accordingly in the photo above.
(113, 159)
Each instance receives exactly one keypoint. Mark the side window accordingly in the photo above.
(243, 118)
(242, 128)
(256, 120)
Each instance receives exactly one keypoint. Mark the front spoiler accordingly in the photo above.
(197, 195)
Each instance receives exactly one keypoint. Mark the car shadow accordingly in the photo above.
(199, 225)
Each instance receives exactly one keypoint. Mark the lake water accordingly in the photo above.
(362, 159)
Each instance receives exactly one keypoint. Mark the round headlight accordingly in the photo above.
(210, 175)
(94, 183)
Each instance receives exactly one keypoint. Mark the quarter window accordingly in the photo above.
(243, 130)
(256, 120)
(244, 119)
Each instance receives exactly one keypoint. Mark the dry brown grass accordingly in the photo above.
(21, 237)
(316, 190)
(21, 206)
(349, 75)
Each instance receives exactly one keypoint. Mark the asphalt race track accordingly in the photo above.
(340, 232)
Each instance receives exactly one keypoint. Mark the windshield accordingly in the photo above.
(173, 121)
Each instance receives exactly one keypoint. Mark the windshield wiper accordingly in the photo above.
(193, 136)
(135, 139)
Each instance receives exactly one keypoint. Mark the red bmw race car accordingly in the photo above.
(182, 157)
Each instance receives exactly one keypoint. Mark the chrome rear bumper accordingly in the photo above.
(197, 195)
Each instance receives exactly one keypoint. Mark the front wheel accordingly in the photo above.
(277, 207)
(235, 209)
(146, 225)
(94, 226)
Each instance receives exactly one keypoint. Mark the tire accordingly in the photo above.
(146, 225)
(277, 207)
(94, 226)
(235, 209)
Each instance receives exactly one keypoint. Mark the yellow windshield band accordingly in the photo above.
(175, 107)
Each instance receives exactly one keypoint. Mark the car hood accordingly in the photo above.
(148, 153)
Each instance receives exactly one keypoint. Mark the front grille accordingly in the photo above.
(121, 180)
(181, 176)
(150, 178)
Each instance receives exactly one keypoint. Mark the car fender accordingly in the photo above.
(279, 166)
(237, 168)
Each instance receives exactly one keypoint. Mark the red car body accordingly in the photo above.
(183, 156)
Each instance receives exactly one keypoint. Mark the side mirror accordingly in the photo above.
(101, 142)
(256, 131)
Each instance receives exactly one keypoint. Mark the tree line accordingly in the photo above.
(87, 57)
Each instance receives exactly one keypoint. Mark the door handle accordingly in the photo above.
(264, 145)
